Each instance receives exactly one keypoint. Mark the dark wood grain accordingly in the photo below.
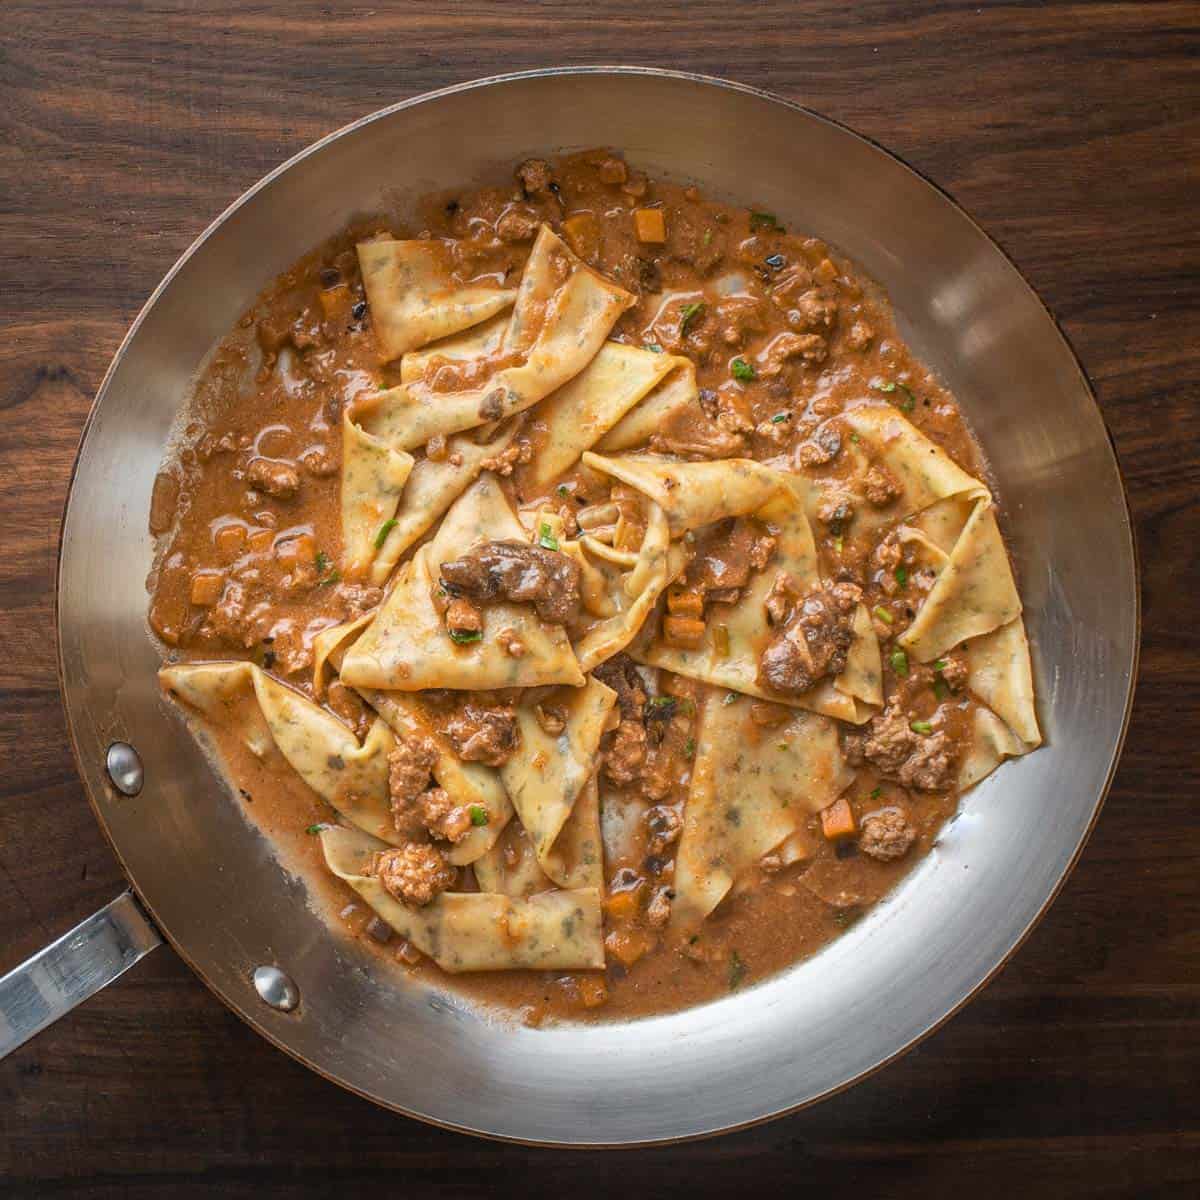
(1069, 130)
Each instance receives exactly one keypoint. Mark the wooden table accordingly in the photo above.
(1068, 130)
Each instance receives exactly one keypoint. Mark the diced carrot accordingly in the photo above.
(627, 945)
(298, 549)
(687, 632)
(207, 587)
(260, 540)
(837, 820)
(622, 906)
(650, 225)
(684, 602)
(335, 302)
(229, 540)
(825, 271)
(582, 234)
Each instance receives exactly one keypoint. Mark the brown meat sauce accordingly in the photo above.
(784, 335)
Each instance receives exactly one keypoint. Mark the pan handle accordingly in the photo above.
(66, 972)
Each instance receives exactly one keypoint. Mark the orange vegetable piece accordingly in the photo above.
(686, 603)
(837, 820)
(582, 234)
(207, 587)
(229, 540)
(687, 632)
(650, 225)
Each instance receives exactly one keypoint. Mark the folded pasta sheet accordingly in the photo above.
(407, 648)
(728, 655)
(324, 752)
(751, 790)
(582, 411)
(477, 931)
(549, 773)
(471, 784)
(414, 297)
(563, 315)
(478, 378)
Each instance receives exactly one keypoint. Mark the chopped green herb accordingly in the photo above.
(855, 438)
(780, 417)
(741, 369)
(900, 662)
(478, 814)
(765, 220)
(563, 490)
(883, 614)
(654, 348)
(687, 706)
(689, 747)
(326, 571)
(940, 665)
(921, 727)
(546, 537)
(314, 829)
(663, 702)
(838, 543)
(464, 636)
(781, 745)
(731, 697)
(909, 401)
(876, 793)
(384, 530)
(902, 576)
(691, 314)
(737, 970)
(708, 237)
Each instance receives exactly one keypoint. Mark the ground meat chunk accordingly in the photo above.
(663, 827)
(626, 755)
(410, 771)
(612, 170)
(414, 874)
(444, 819)
(535, 176)
(278, 479)
(813, 310)
(924, 762)
(462, 617)
(881, 486)
(516, 571)
(236, 618)
(517, 225)
(810, 347)
(621, 674)
(814, 641)
(954, 674)
(823, 447)
(738, 317)
(860, 335)
(356, 599)
(931, 766)
(349, 706)
(658, 911)
(517, 451)
(483, 734)
(781, 598)
(886, 835)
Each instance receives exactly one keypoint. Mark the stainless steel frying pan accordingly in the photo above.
(209, 881)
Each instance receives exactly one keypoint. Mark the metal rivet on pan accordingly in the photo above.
(124, 767)
(276, 988)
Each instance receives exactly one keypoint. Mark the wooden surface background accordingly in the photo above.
(1068, 129)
